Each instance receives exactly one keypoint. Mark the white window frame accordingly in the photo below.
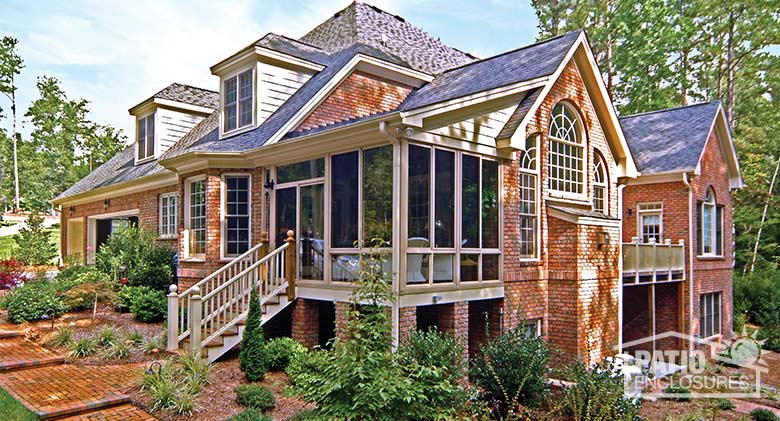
(534, 325)
(716, 324)
(581, 144)
(187, 223)
(223, 212)
(600, 171)
(530, 166)
(146, 118)
(712, 206)
(237, 74)
(647, 209)
(163, 226)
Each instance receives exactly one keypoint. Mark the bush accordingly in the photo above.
(117, 351)
(251, 358)
(175, 388)
(33, 301)
(431, 348)
(761, 414)
(148, 305)
(135, 338)
(597, 394)
(63, 336)
(770, 334)
(255, 396)
(724, 404)
(280, 351)
(11, 274)
(146, 263)
(154, 343)
(33, 245)
(83, 347)
(498, 372)
(758, 295)
(250, 415)
(675, 389)
(107, 336)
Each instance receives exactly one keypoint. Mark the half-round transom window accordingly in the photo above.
(565, 152)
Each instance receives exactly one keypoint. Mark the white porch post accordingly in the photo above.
(195, 316)
(173, 319)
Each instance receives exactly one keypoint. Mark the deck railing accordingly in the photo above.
(652, 261)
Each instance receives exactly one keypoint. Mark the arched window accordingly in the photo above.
(600, 201)
(709, 226)
(565, 152)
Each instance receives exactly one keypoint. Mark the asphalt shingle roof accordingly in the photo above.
(189, 95)
(669, 140)
(293, 48)
(519, 113)
(360, 23)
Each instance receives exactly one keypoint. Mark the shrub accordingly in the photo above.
(107, 336)
(597, 394)
(758, 296)
(175, 388)
(63, 336)
(33, 245)
(83, 347)
(11, 274)
(676, 389)
(431, 348)
(255, 396)
(770, 334)
(280, 351)
(761, 414)
(149, 306)
(724, 404)
(498, 372)
(146, 263)
(250, 414)
(33, 301)
(117, 351)
(195, 370)
(251, 358)
(154, 343)
(135, 338)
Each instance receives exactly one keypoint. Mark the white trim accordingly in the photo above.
(186, 203)
(155, 137)
(276, 55)
(581, 144)
(223, 212)
(237, 74)
(640, 212)
(582, 220)
(139, 185)
(175, 234)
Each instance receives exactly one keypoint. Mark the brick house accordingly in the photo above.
(497, 183)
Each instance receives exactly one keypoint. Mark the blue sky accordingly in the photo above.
(118, 53)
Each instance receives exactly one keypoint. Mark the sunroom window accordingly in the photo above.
(565, 152)
(237, 211)
(445, 246)
(145, 137)
(238, 94)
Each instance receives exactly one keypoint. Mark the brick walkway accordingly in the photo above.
(39, 380)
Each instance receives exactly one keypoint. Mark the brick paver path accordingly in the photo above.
(60, 390)
(124, 412)
(8, 330)
(18, 352)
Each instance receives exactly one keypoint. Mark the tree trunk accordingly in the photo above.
(17, 208)
(730, 67)
(763, 217)
(608, 50)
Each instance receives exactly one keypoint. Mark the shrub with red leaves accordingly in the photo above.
(11, 274)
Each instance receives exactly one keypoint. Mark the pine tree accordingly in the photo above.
(252, 359)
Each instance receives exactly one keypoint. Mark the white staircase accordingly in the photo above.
(209, 317)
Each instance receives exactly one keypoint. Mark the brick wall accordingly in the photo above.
(305, 322)
(359, 95)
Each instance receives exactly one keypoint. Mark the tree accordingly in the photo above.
(252, 359)
(10, 66)
(33, 244)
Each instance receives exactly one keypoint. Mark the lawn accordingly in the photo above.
(11, 409)
(7, 243)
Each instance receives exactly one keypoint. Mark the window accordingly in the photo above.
(709, 314)
(196, 216)
(709, 226)
(600, 201)
(169, 205)
(237, 209)
(531, 328)
(527, 212)
(238, 96)
(566, 153)
(440, 181)
(344, 200)
(299, 171)
(145, 137)
(378, 194)
(650, 220)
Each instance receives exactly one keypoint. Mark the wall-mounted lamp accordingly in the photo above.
(628, 211)
(106, 203)
(72, 209)
(602, 239)
(436, 298)
(269, 185)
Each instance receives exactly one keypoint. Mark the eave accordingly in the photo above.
(120, 189)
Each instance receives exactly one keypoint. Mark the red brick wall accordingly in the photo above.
(407, 321)
(360, 95)
(305, 322)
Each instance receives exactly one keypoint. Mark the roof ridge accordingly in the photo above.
(663, 110)
(293, 40)
(538, 43)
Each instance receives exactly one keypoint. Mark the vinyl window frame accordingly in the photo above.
(146, 119)
(223, 215)
(167, 231)
(649, 208)
(529, 167)
(708, 325)
(188, 217)
(580, 143)
(223, 94)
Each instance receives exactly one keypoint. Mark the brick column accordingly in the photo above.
(306, 322)
(454, 319)
(407, 322)
(342, 318)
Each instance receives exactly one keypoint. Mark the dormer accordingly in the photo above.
(163, 119)
(257, 80)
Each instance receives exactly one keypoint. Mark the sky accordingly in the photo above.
(118, 53)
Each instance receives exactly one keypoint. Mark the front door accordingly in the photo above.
(301, 208)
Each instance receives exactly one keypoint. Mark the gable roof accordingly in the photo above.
(360, 23)
(292, 47)
(187, 94)
(670, 140)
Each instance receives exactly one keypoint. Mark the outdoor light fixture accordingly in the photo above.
(628, 211)
(602, 239)
(106, 203)
(72, 209)
(436, 298)
(269, 185)
(152, 366)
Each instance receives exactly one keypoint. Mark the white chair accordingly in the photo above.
(414, 262)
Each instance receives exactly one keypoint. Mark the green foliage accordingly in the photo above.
(195, 370)
(250, 414)
(675, 389)
(761, 414)
(83, 347)
(280, 351)
(770, 334)
(117, 351)
(63, 336)
(305, 415)
(758, 296)
(361, 378)
(177, 385)
(135, 337)
(11, 409)
(33, 244)
(33, 302)
(496, 371)
(107, 336)
(154, 343)
(597, 394)
(252, 359)
(724, 404)
(146, 304)
(146, 262)
(255, 396)
(432, 348)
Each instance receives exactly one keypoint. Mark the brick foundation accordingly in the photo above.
(306, 322)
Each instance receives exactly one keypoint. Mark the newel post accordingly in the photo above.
(195, 316)
(173, 319)
(289, 259)
(263, 269)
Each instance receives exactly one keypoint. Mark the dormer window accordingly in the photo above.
(145, 138)
(238, 92)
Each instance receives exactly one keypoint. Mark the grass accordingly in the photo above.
(11, 409)
(7, 243)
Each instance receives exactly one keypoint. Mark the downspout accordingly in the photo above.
(620, 267)
(395, 306)
(687, 183)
